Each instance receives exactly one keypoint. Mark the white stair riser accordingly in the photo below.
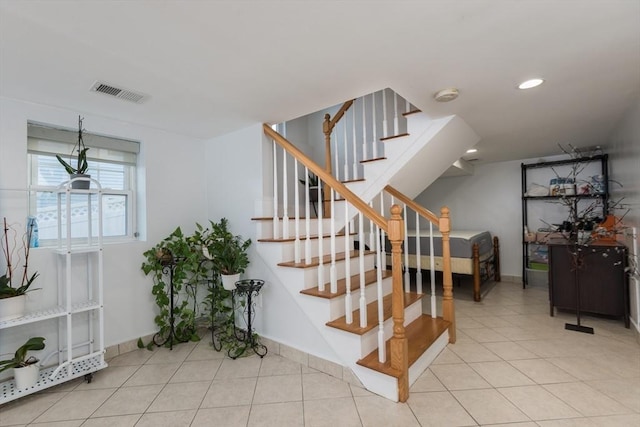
(376, 382)
(427, 358)
(358, 346)
(265, 227)
(337, 306)
(287, 249)
(311, 274)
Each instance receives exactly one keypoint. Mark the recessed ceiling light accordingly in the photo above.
(530, 84)
(472, 150)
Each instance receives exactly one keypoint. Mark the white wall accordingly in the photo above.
(171, 182)
(487, 200)
(625, 156)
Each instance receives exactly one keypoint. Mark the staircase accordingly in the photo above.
(334, 268)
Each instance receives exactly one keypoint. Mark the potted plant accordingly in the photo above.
(13, 298)
(25, 369)
(227, 251)
(81, 165)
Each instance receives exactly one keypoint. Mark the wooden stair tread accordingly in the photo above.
(370, 277)
(408, 113)
(372, 314)
(353, 180)
(326, 259)
(373, 160)
(421, 334)
(400, 135)
(302, 238)
(270, 218)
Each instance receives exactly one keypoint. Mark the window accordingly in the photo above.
(112, 162)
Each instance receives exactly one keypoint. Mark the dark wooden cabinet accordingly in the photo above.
(598, 269)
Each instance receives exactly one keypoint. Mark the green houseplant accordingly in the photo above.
(25, 369)
(13, 298)
(227, 251)
(79, 171)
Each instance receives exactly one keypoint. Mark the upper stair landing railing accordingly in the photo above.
(355, 132)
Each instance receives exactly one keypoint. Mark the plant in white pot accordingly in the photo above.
(80, 151)
(227, 251)
(13, 297)
(25, 369)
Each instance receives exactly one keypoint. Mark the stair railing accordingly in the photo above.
(358, 128)
(444, 225)
(354, 207)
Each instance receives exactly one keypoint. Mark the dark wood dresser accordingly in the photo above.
(598, 268)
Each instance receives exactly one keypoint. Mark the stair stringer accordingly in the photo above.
(414, 161)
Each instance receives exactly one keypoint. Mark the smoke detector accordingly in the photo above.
(120, 93)
(446, 95)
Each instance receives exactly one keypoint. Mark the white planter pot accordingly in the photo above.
(229, 281)
(26, 376)
(12, 308)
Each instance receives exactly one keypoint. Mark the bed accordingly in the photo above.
(474, 253)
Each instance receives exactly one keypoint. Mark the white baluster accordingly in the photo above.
(333, 276)
(285, 196)
(336, 169)
(363, 298)
(346, 148)
(382, 350)
(433, 273)
(383, 243)
(407, 275)
(364, 128)
(396, 124)
(419, 257)
(296, 245)
(276, 226)
(307, 216)
(372, 235)
(354, 144)
(374, 138)
(347, 268)
(320, 241)
(385, 127)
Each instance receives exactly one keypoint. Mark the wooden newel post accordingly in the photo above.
(399, 345)
(448, 310)
(326, 191)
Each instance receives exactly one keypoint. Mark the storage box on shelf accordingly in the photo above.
(78, 310)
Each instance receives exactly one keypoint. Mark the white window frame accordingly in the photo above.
(48, 133)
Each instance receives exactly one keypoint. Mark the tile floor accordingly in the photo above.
(513, 364)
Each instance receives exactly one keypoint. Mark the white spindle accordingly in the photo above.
(285, 197)
(320, 241)
(407, 106)
(333, 275)
(307, 218)
(382, 241)
(374, 139)
(407, 275)
(296, 245)
(354, 144)
(382, 350)
(364, 128)
(363, 298)
(346, 148)
(433, 272)
(275, 192)
(396, 124)
(336, 159)
(347, 268)
(385, 125)
(419, 257)
(372, 234)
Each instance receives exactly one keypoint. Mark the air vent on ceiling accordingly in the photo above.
(127, 95)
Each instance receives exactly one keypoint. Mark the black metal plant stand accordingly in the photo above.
(249, 289)
(172, 337)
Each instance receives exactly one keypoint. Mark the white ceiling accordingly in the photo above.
(211, 67)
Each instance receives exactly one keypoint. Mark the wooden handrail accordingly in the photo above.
(422, 211)
(339, 187)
